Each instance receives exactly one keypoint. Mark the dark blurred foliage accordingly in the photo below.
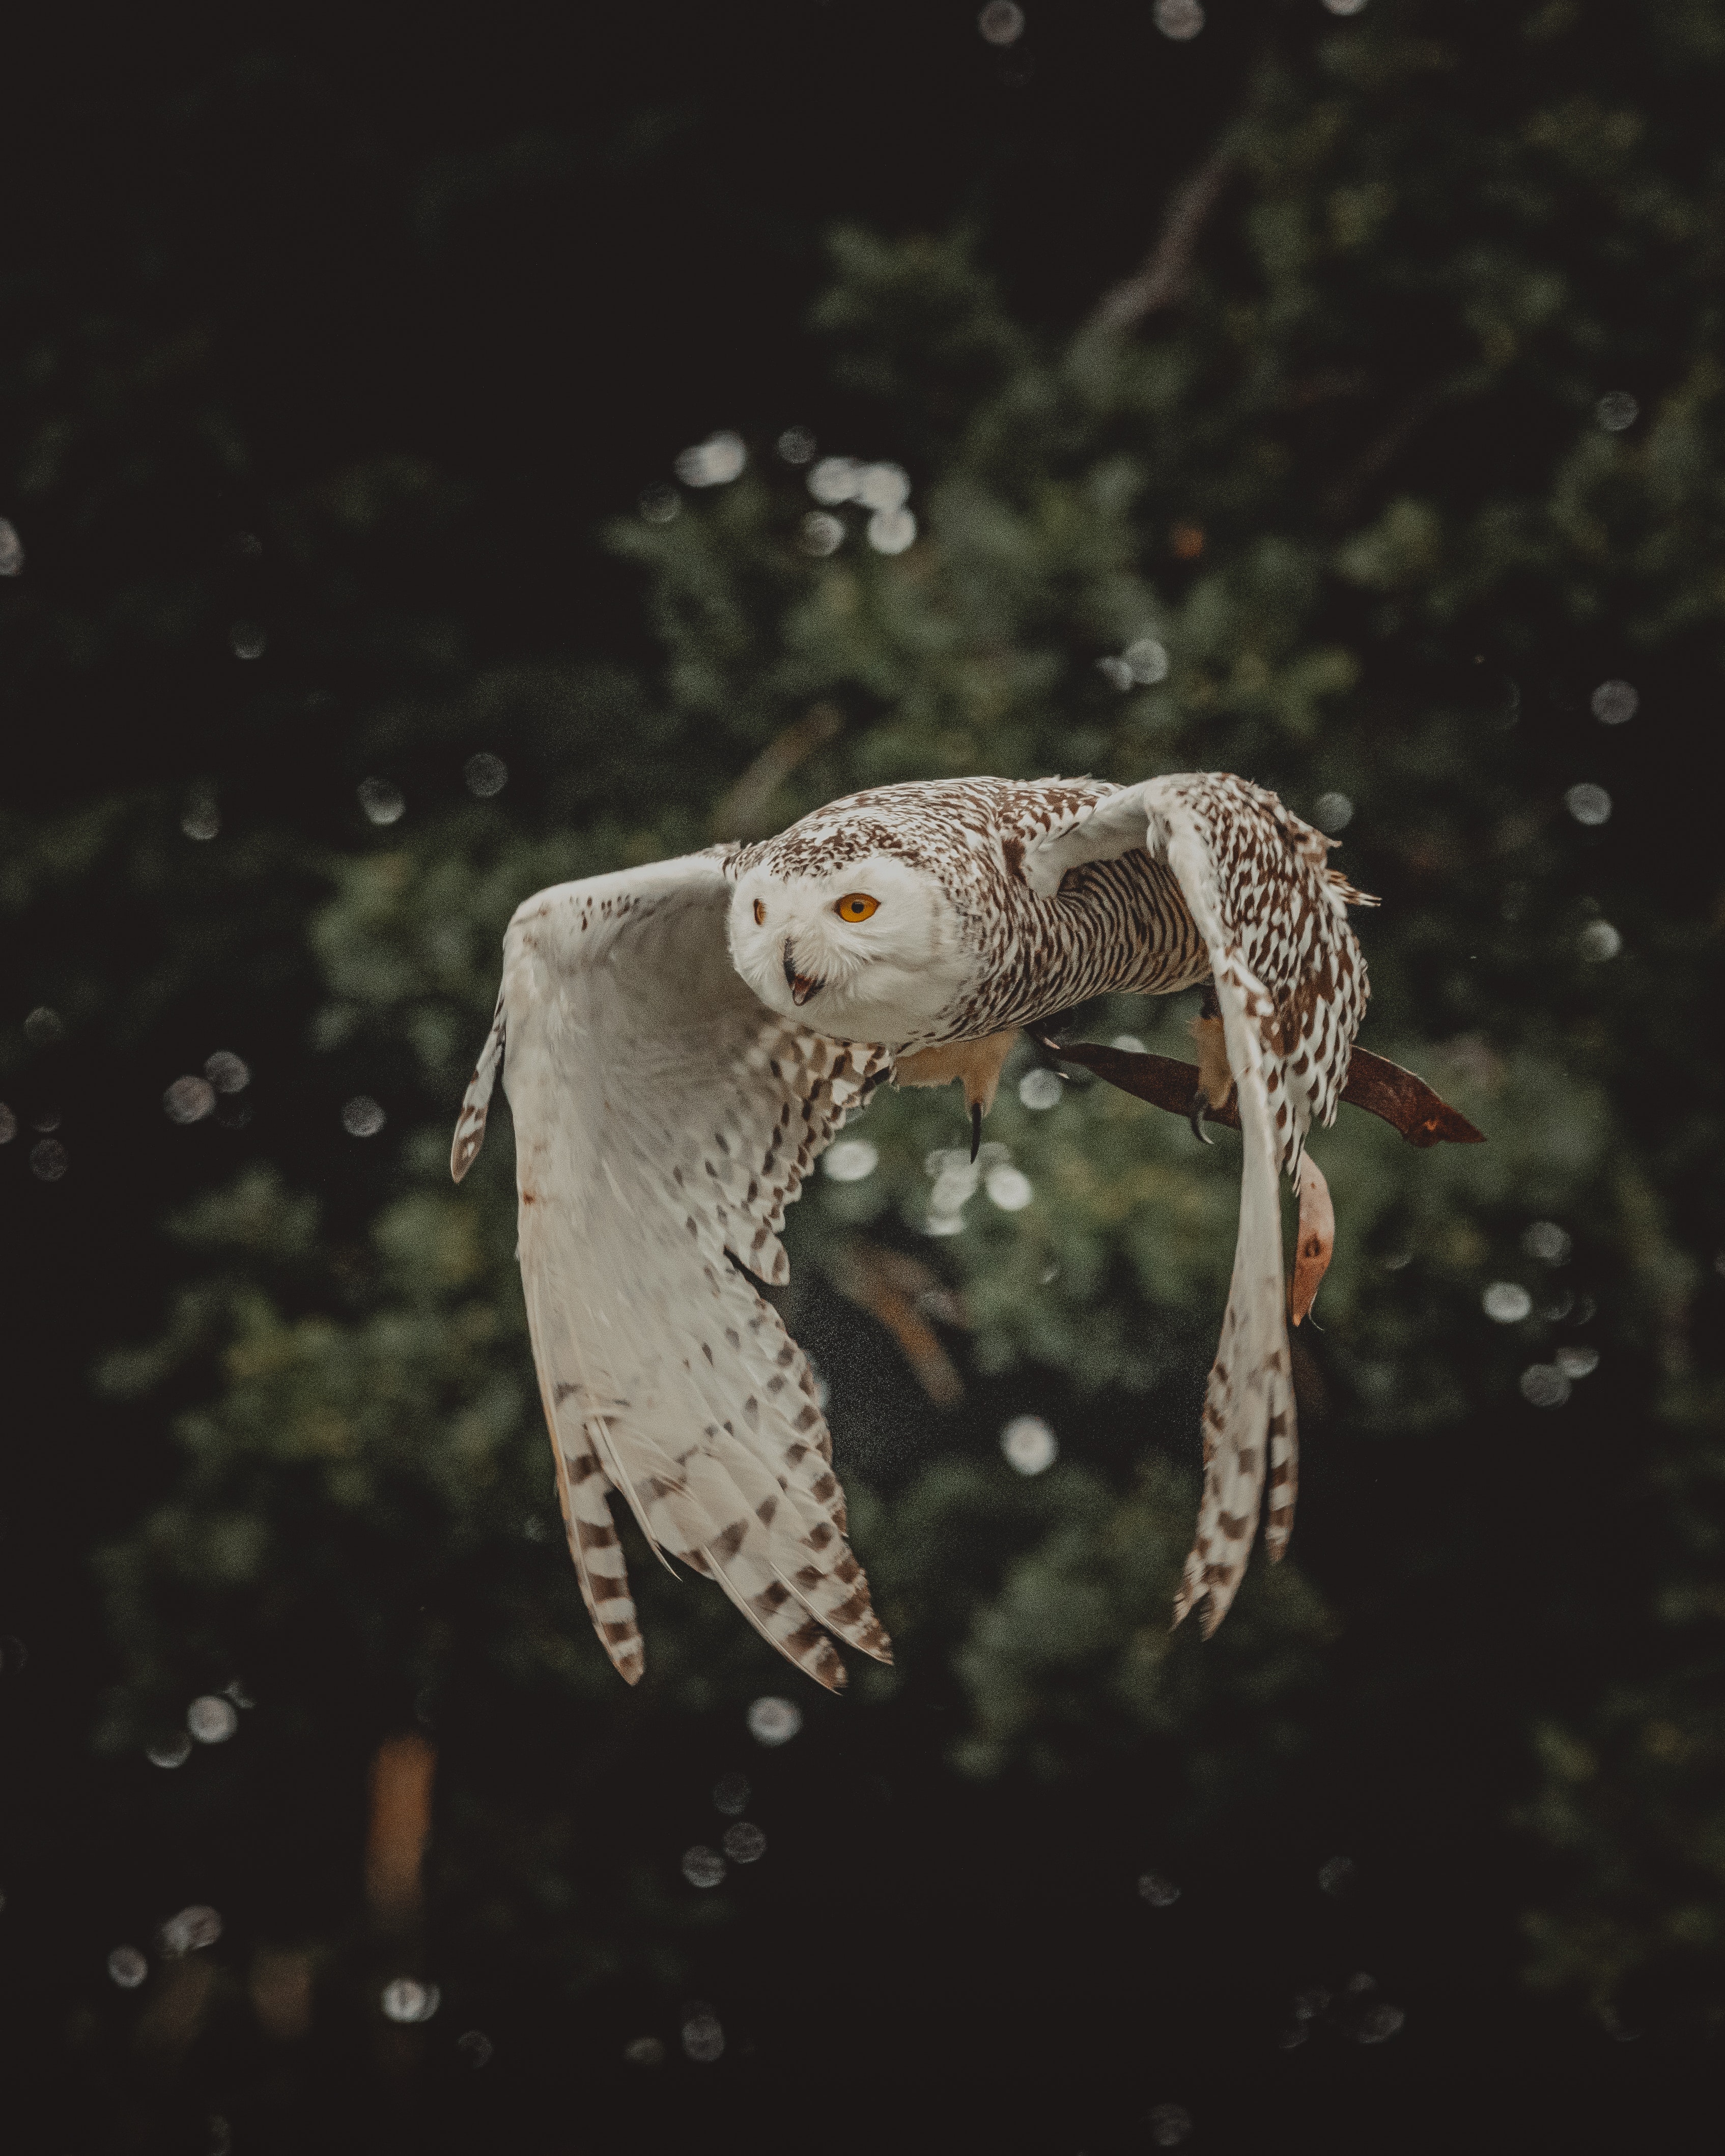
(1331, 396)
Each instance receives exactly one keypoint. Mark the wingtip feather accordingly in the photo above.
(465, 1150)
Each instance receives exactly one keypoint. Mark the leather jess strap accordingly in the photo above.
(1381, 1088)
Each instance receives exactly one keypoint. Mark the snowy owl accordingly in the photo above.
(681, 1041)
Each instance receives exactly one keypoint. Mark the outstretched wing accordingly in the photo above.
(1290, 984)
(665, 1118)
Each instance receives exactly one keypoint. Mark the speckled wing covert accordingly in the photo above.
(1290, 982)
(665, 1118)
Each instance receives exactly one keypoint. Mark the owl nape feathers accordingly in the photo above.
(680, 1042)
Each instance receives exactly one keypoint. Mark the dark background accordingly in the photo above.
(372, 331)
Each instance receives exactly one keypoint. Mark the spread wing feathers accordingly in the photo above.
(665, 1119)
(1290, 984)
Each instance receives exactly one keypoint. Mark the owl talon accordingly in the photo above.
(976, 1128)
(1196, 1114)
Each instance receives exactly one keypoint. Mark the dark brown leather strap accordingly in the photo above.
(1381, 1088)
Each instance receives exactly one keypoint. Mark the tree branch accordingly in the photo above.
(1163, 277)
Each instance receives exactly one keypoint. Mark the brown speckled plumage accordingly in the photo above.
(1116, 926)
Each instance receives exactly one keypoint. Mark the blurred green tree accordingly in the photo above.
(1394, 481)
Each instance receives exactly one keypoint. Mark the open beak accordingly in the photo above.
(799, 985)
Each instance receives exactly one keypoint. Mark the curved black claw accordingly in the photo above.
(1196, 1114)
(976, 1128)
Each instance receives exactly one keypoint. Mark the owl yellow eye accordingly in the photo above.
(760, 912)
(856, 906)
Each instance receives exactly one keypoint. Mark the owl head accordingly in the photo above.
(869, 948)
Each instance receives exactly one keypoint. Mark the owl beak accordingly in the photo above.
(799, 985)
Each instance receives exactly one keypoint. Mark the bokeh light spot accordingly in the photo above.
(1614, 701)
(361, 1118)
(715, 462)
(891, 530)
(404, 1999)
(1178, 19)
(1029, 1444)
(703, 1866)
(190, 1930)
(188, 1100)
(1336, 1876)
(1009, 1189)
(1040, 1090)
(1547, 1241)
(1001, 22)
(851, 1160)
(703, 2038)
(772, 1721)
(1544, 1385)
(48, 1160)
(1146, 661)
(211, 1719)
(382, 802)
(883, 487)
(227, 1072)
(834, 480)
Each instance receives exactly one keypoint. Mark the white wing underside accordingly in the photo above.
(1290, 985)
(664, 1118)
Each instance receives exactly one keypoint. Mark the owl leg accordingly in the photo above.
(977, 1065)
(1215, 1081)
